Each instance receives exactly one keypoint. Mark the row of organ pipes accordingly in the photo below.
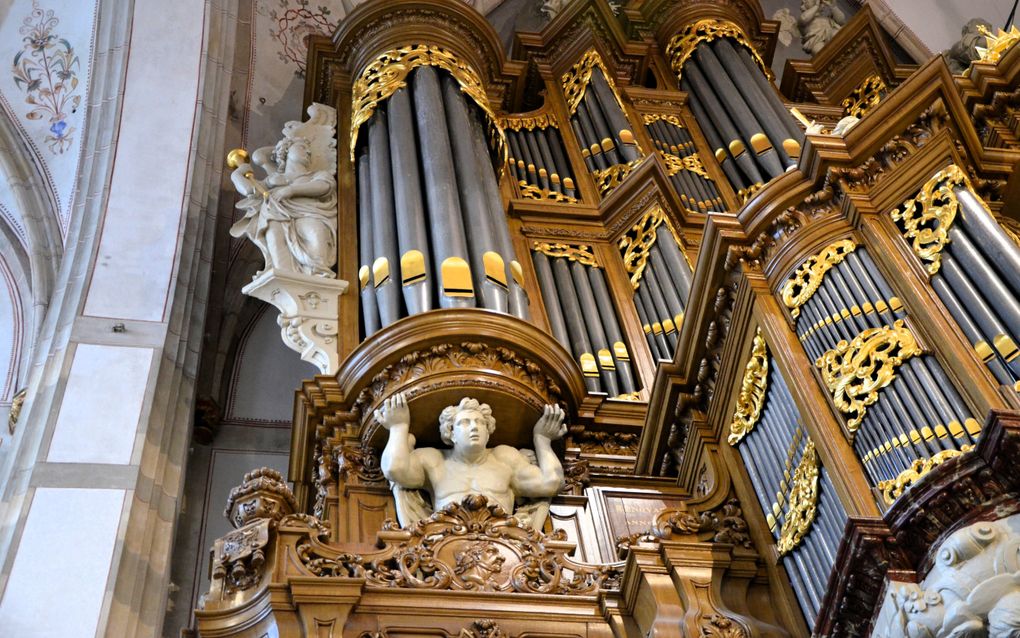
(919, 413)
(772, 451)
(538, 160)
(433, 233)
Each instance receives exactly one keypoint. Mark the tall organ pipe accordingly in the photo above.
(489, 279)
(617, 119)
(449, 244)
(753, 96)
(384, 224)
(369, 310)
(412, 234)
(715, 138)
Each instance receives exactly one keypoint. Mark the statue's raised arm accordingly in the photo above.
(291, 214)
(503, 475)
(545, 479)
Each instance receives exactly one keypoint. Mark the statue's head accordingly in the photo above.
(292, 154)
(467, 424)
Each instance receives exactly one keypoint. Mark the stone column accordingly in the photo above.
(92, 481)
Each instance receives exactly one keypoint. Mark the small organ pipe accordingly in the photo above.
(607, 141)
(555, 179)
(612, 329)
(579, 342)
(547, 285)
(590, 315)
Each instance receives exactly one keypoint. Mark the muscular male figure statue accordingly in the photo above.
(501, 474)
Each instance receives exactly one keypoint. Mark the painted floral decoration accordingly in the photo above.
(46, 69)
(294, 24)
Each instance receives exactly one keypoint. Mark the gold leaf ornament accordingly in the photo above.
(927, 217)
(388, 73)
(580, 253)
(752, 391)
(865, 97)
(682, 46)
(893, 488)
(576, 80)
(802, 504)
(637, 243)
(854, 371)
(805, 282)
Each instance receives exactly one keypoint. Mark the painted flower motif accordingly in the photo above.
(46, 70)
(294, 25)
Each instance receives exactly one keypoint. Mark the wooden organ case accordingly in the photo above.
(779, 350)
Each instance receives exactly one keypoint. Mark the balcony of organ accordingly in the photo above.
(746, 361)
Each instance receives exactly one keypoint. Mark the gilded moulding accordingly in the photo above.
(854, 371)
(388, 73)
(802, 504)
(610, 178)
(805, 282)
(580, 253)
(893, 488)
(527, 123)
(637, 243)
(927, 217)
(534, 192)
(655, 117)
(682, 45)
(576, 80)
(865, 97)
(752, 391)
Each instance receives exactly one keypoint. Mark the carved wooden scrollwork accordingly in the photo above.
(927, 217)
(802, 505)
(466, 546)
(682, 45)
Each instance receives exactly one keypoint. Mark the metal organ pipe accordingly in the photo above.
(369, 311)
(449, 244)
(590, 315)
(488, 269)
(384, 223)
(618, 346)
(412, 234)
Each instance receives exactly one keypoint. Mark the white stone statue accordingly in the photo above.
(291, 214)
(503, 474)
(819, 21)
(964, 51)
(972, 590)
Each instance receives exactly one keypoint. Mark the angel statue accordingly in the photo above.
(819, 21)
(291, 214)
(503, 474)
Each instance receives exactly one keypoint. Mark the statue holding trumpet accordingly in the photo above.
(291, 214)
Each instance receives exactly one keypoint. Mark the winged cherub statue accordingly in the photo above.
(503, 474)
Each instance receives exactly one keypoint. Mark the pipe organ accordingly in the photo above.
(788, 361)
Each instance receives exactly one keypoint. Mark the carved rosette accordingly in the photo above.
(263, 495)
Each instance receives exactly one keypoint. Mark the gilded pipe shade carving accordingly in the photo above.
(388, 73)
(803, 501)
(805, 282)
(682, 45)
(752, 391)
(854, 371)
(929, 215)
